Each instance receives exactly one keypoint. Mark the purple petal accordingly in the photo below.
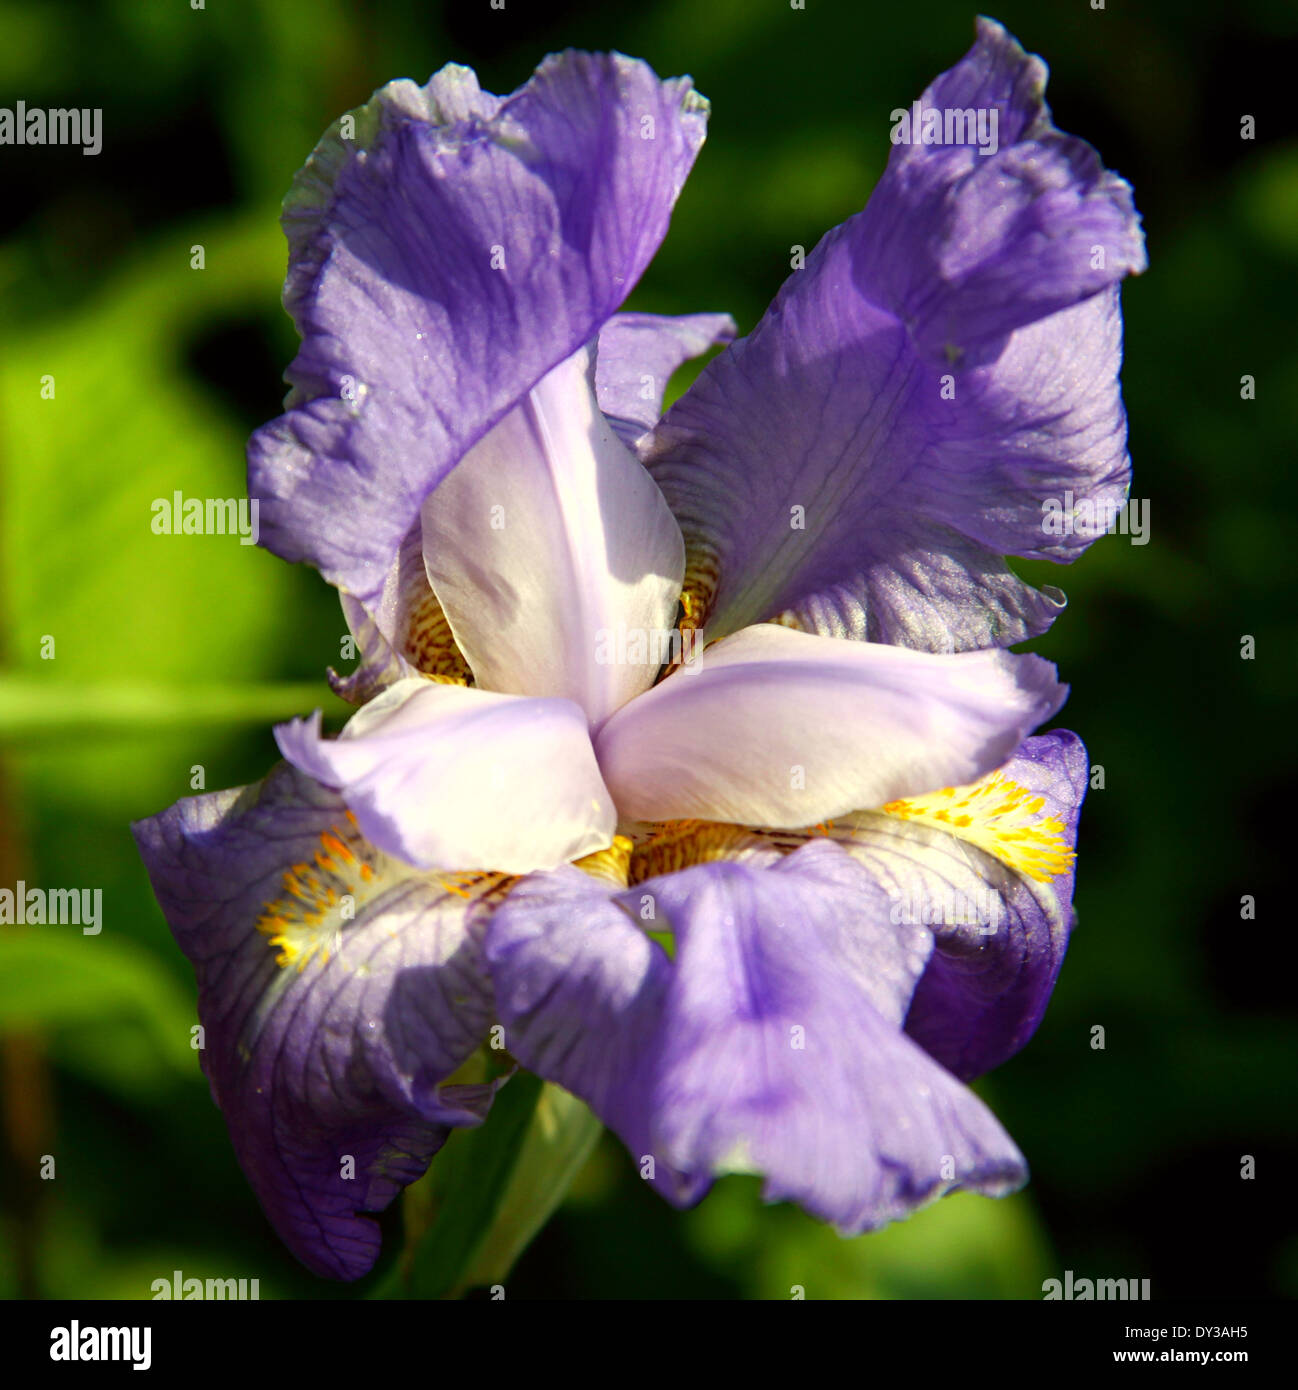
(943, 368)
(327, 1067)
(638, 354)
(984, 992)
(772, 1042)
(442, 260)
(451, 778)
(581, 990)
(547, 542)
(785, 729)
(965, 247)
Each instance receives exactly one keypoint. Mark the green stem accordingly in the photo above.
(30, 707)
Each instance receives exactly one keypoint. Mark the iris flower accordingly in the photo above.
(677, 737)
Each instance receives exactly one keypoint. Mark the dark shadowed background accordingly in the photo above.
(172, 653)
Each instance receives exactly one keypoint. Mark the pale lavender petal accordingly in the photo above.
(450, 778)
(785, 729)
(548, 544)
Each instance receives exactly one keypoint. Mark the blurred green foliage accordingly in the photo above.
(173, 655)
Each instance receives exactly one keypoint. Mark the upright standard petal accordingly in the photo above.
(447, 249)
(638, 354)
(942, 370)
(337, 992)
(771, 1043)
(548, 544)
(981, 227)
(451, 778)
(784, 729)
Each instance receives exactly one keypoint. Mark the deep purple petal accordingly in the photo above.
(451, 778)
(339, 1052)
(442, 260)
(983, 993)
(771, 1044)
(943, 367)
(784, 729)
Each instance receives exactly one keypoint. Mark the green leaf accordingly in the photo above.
(90, 438)
(32, 708)
(490, 1190)
(449, 1211)
(51, 980)
(104, 621)
(963, 1246)
(559, 1141)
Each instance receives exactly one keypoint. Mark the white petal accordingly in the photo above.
(547, 540)
(452, 778)
(784, 729)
